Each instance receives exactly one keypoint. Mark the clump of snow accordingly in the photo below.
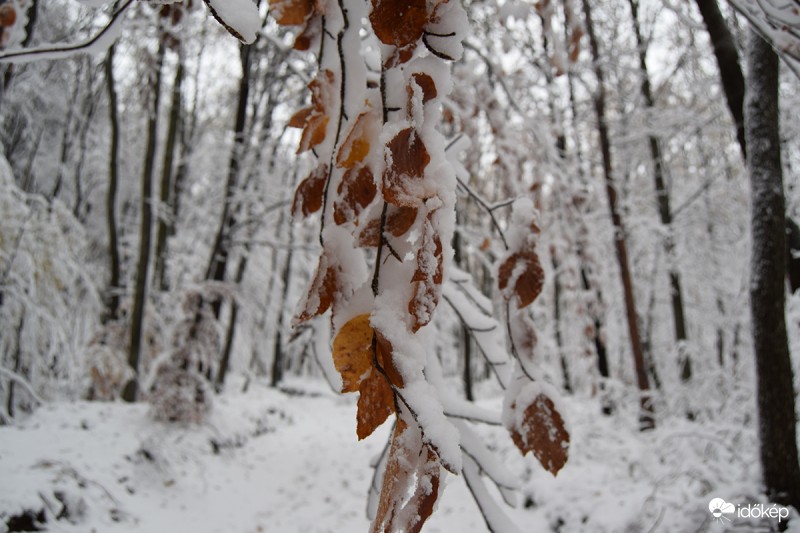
(239, 15)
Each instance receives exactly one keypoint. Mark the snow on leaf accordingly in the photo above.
(290, 12)
(239, 17)
(410, 484)
(308, 196)
(425, 84)
(356, 191)
(322, 290)
(399, 22)
(521, 275)
(407, 158)
(398, 221)
(427, 278)
(542, 431)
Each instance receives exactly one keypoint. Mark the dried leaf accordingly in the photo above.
(314, 119)
(322, 290)
(290, 12)
(410, 484)
(542, 431)
(352, 352)
(400, 219)
(8, 15)
(357, 142)
(427, 278)
(406, 160)
(309, 193)
(375, 403)
(356, 191)
(426, 84)
(399, 22)
(525, 273)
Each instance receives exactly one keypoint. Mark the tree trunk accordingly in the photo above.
(662, 198)
(218, 261)
(776, 409)
(646, 418)
(166, 220)
(730, 70)
(130, 392)
(112, 293)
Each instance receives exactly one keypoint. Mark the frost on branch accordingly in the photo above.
(239, 17)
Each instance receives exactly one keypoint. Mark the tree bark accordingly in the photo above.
(776, 409)
(112, 293)
(730, 70)
(130, 392)
(166, 220)
(218, 261)
(646, 418)
(662, 198)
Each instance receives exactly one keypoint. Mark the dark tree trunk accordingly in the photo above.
(662, 198)
(112, 293)
(130, 392)
(730, 70)
(776, 409)
(218, 262)
(166, 220)
(646, 418)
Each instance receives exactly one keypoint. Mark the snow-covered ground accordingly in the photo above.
(268, 461)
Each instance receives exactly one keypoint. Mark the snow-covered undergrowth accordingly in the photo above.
(286, 462)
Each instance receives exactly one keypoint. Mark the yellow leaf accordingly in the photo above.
(352, 352)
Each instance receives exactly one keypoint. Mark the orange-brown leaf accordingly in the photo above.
(399, 22)
(322, 290)
(357, 143)
(314, 132)
(299, 119)
(400, 220)
(410, 484)
(352, 352)
(543, 432)
(375, 403)
(356, 191)
(426, 85)
(290, 12)
(526, 273)
(427, 278)
(309, 193)
(408, 158)
(8, 15)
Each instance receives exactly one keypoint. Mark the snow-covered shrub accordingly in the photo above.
(180, 390)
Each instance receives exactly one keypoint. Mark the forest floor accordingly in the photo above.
(272, 461)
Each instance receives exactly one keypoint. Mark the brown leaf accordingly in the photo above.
(322, 290)
(299, 119)
(309, 32)
(309, 193)
(399, 22)
(314, 119)
(427, 278)
(356, 191)
(400, 219)
(290, 12)
(375, 403)
(356, 145)
(542, 431)
(410, 483)
(426, 84)
(406, 161)
(8, 15)
(386, 360)
(528, 277)
(352, 352)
